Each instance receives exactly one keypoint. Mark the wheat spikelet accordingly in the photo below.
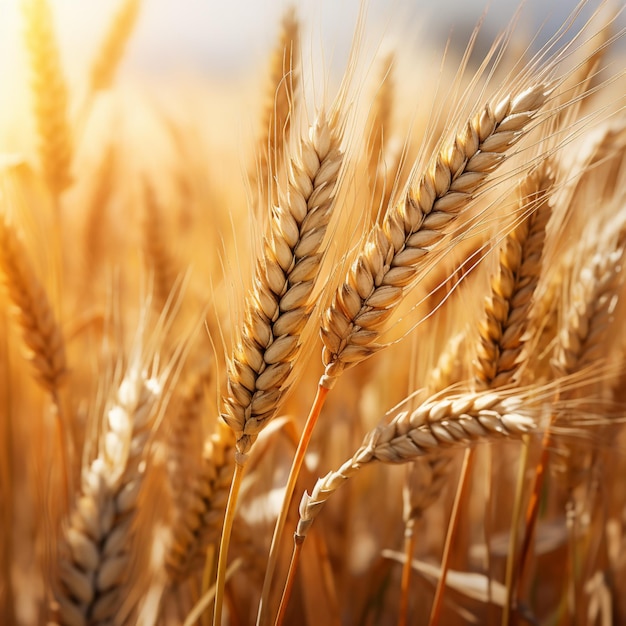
(49, 96)
(97, 549)
(435, 425)
(512, 288)
(393, 252)
(111, 50)
(40, 330)
(279, 305)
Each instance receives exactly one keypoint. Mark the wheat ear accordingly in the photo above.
(40, 330)
(96, 551)
(434, 425)
(582, 338)
(379, 175)
(159, 257)
(49, 96)
(202, 507)
(183, 465)
(512, 287)
(393, 253)
(279, 305)
(111, 50)
(284, 83)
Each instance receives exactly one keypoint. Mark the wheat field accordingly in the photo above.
(358, 361)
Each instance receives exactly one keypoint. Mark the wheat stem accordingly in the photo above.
(294, 472)
(466, 471)
(291, 576)
(227, 528)
(532, 511)
(511, 559)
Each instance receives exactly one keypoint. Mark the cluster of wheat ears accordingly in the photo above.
(415, 289)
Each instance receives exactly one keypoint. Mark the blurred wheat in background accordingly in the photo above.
(354, 356)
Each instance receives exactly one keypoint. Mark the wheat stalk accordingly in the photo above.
(434, 425)
(280, 303)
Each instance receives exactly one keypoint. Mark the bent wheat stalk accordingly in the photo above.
(434, 425)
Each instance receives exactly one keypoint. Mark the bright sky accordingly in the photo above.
(226, 36)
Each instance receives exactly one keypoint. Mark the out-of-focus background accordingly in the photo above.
(227, 37)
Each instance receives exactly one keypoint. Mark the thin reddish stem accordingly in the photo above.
(296, 465)
(466, 470)
(291, 576)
